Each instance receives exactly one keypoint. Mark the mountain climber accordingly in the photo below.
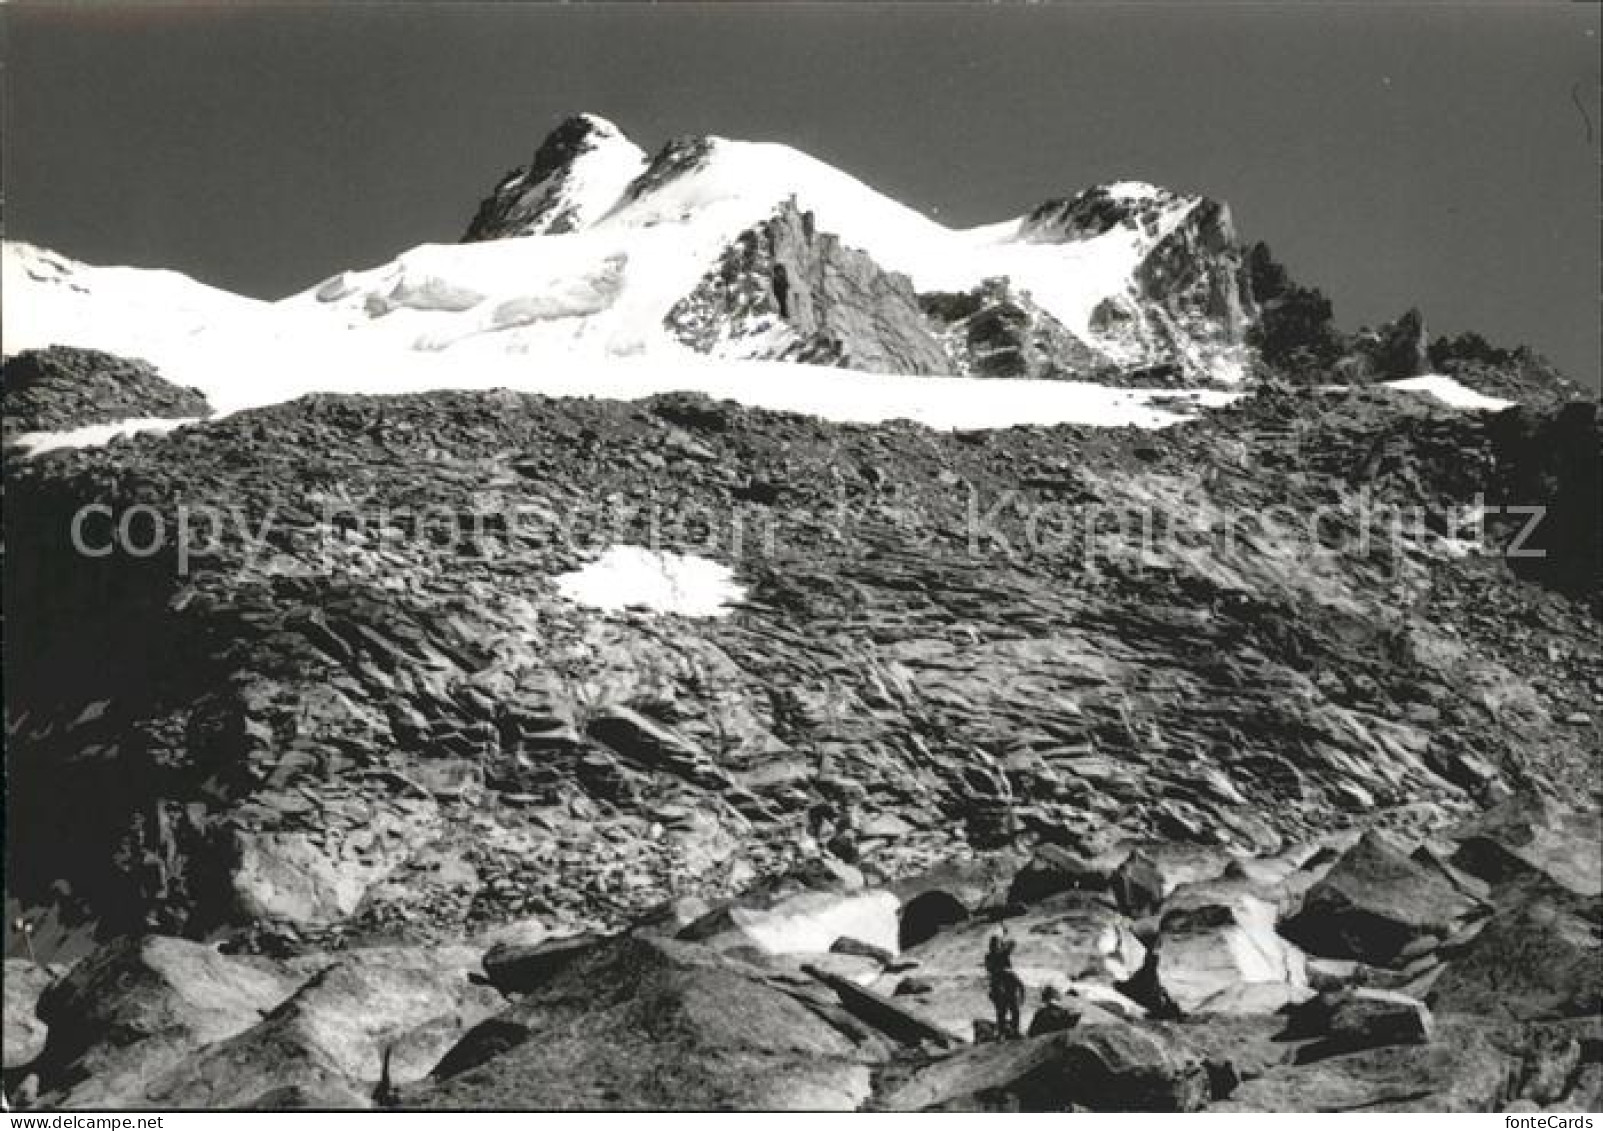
(1052, 1017)
(1007, 989)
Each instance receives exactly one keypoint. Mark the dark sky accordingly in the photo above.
(1391, 155)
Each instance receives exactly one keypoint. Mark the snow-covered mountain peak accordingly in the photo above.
(715, 188)
(577, 174)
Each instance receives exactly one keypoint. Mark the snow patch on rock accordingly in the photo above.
(97, 435)
(633, 577)
(811, 923)
(1450, 392)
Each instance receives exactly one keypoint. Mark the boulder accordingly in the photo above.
(651, 1024)
(837, 305)
(640, 739)
(25, 981)
(519, 932)
(1402, 347)
(1461, 1070)
(1530, 837)
(1053, 1017)
(1103, 1068)
(913, 987)
(1151, 872)
(1435, 857)
(975, 885)
(1539, 958)
(670, 917)
(132, 1011)
(854, 968)
(1204, 955)
(290, 878)
(1053, 869)
(894, 1019)
(518, 968)
(1334, 973)
(1235, 1046)
(394, 1010)
(1374, 904)
(1138, 885)
(1349, 1020)
(1274, 880)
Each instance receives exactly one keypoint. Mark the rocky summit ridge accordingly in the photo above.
(386, 739)
(576, 174)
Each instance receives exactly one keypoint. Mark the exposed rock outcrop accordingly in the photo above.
(133, 1012)
(1530, 841)
(994, 331)
(1538, 958)
(924, 665)
(1462, 1070)
(1189, 304)
(1104, 1067)
(394, 1011)
(1379, 905)
(1352, 1020)
(1519, 374)
(1395, 350)
(784, 289)
(1195, 293)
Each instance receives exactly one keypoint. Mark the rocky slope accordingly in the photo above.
(1460, 975)
(61, 389)
(788, 291)
(357, 705)
(969, 635)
